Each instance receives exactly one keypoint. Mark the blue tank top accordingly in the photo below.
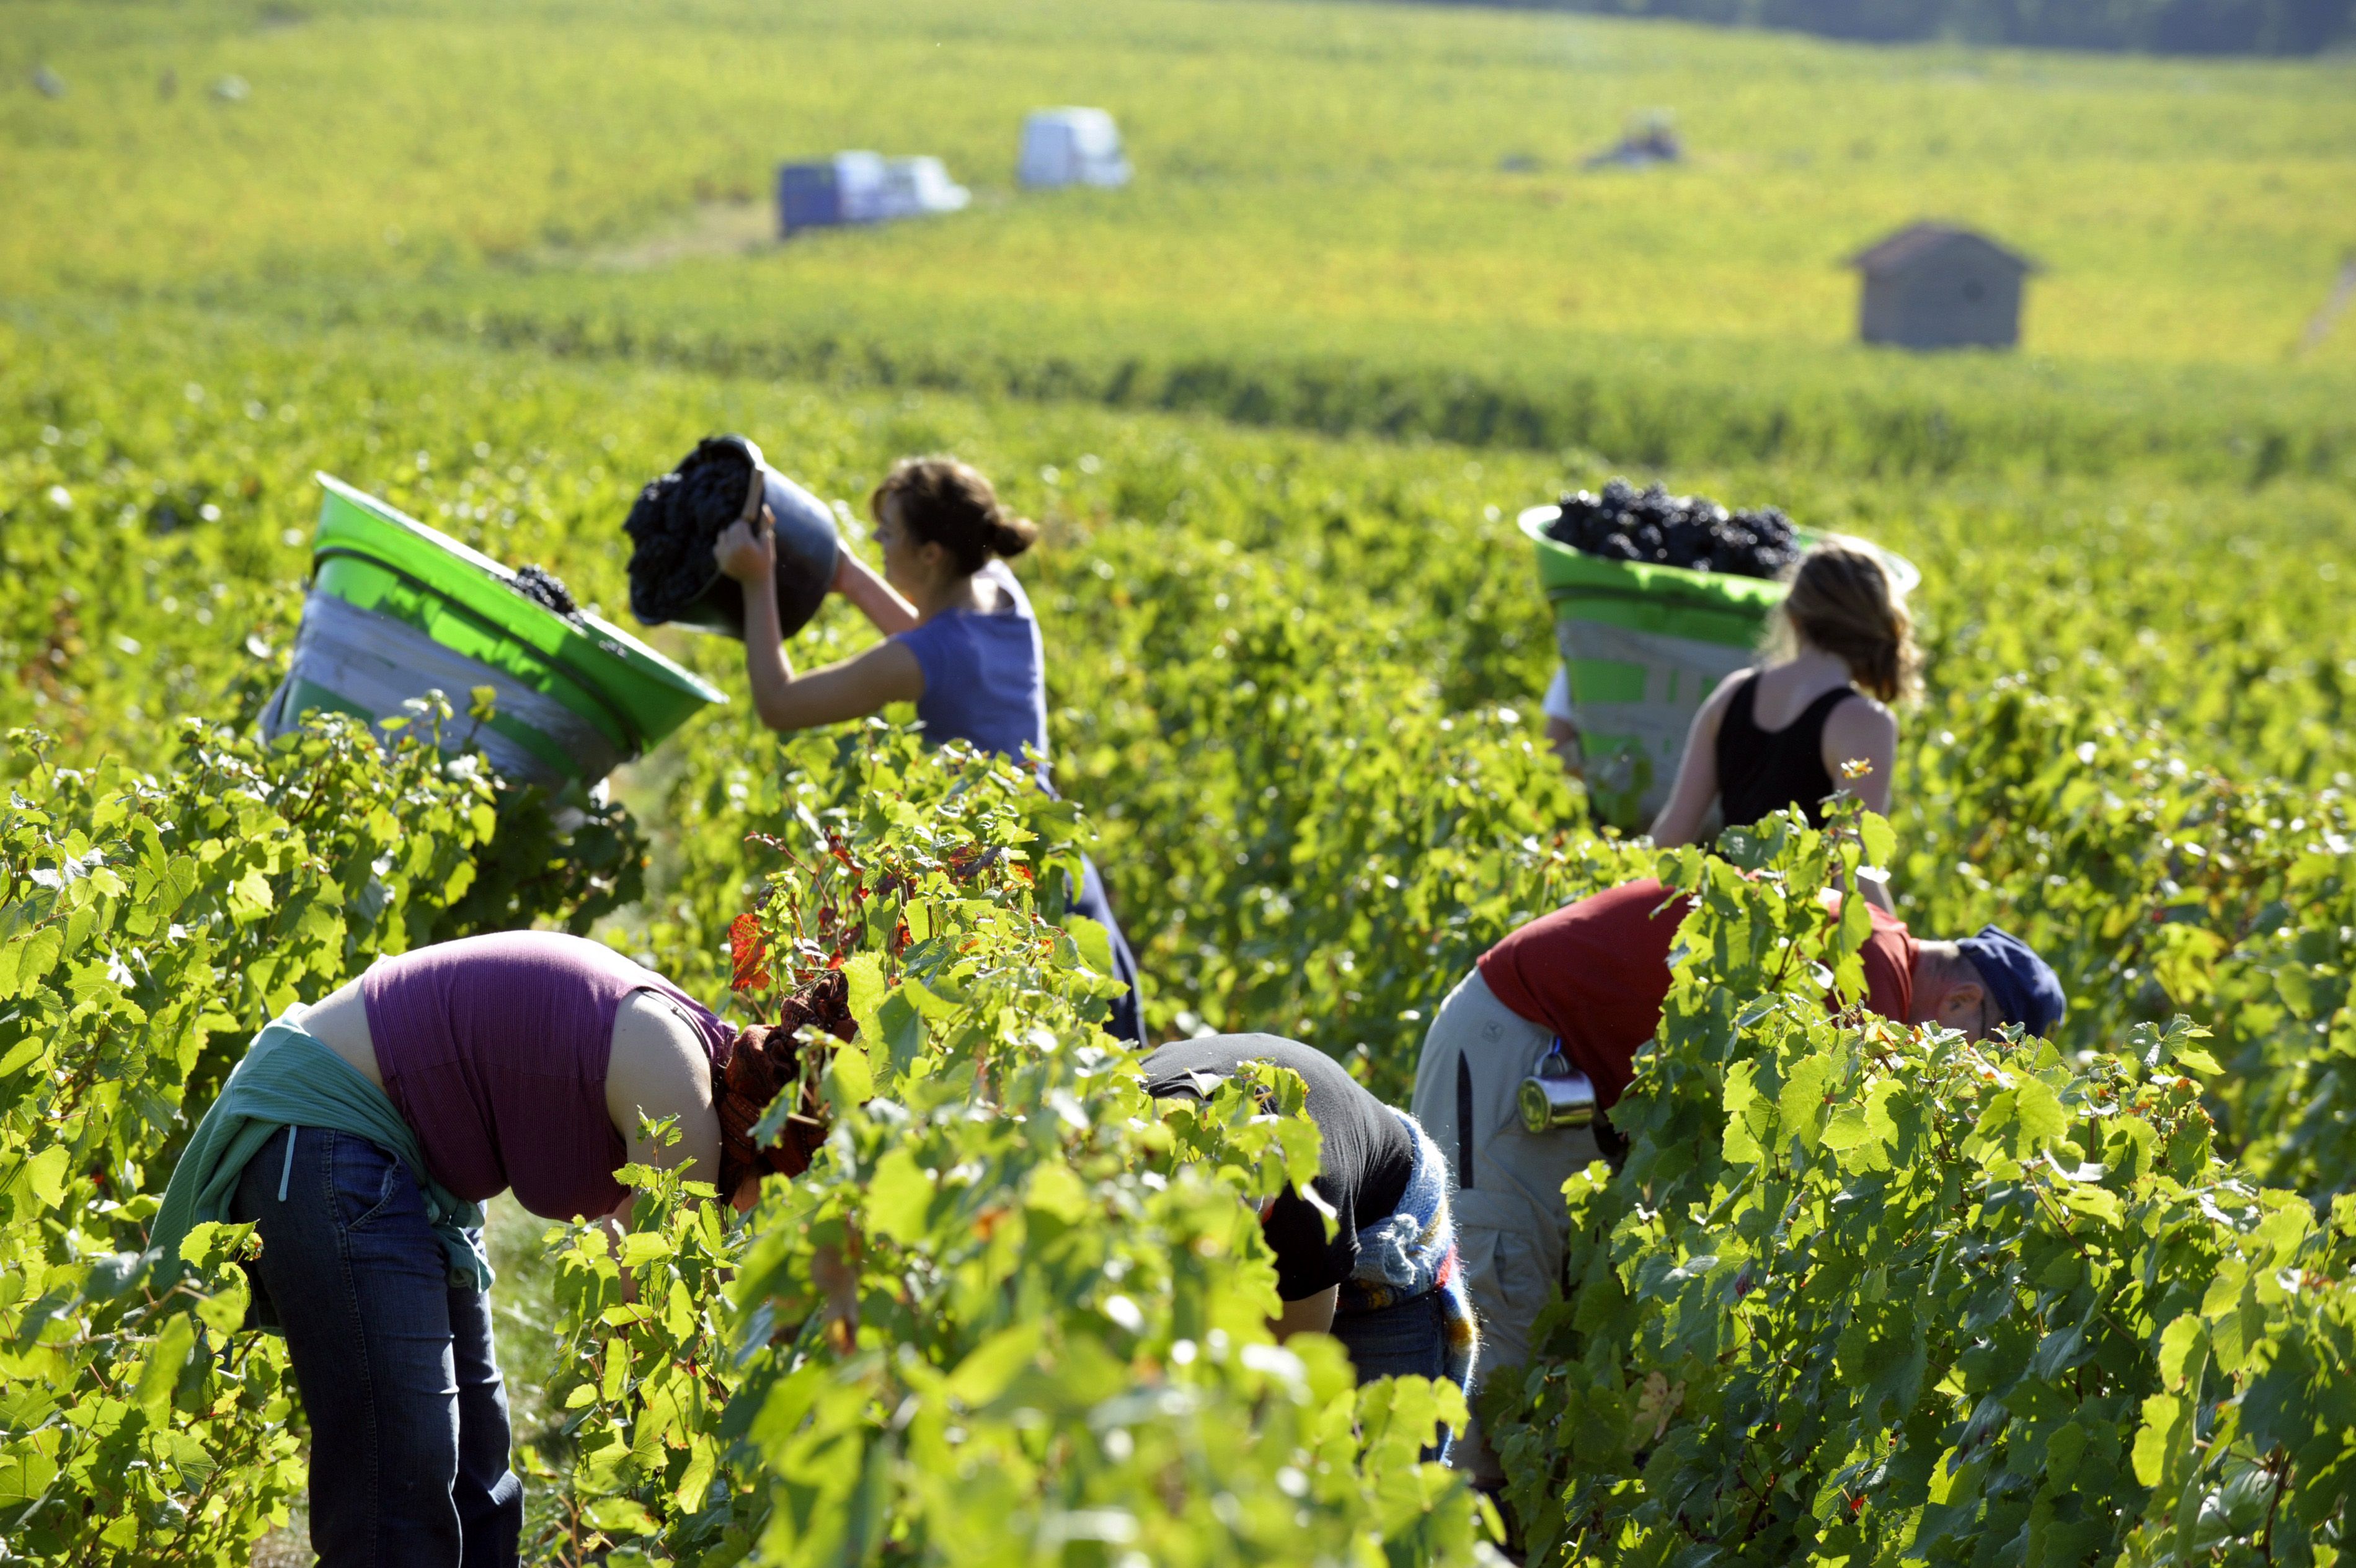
(985, 675)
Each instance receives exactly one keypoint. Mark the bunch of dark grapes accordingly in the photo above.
(544, 587)
(674, 522)
(1625, 523)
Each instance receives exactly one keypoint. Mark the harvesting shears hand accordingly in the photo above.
(748, 551)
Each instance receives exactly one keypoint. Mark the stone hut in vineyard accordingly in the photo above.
(1933, 286)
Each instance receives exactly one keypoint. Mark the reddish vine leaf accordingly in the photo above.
(749, 953)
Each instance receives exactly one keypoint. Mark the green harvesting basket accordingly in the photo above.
(396, 608)
(1641, 646)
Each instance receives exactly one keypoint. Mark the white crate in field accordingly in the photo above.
(915, 187)
(1071, 146)
(859, 178)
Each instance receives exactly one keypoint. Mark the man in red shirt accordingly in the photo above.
(1592, 976)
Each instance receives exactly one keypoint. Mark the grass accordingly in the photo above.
(1318, 163)
(1319, 212)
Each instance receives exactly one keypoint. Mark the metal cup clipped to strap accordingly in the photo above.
(1555, 1095)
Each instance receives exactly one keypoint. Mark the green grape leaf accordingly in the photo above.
(626, 1516)
(249, 897)
(223, 1311)
(1053, 1189)
(26, 961)
(863, 975)
(991, 1366)
(899, 1199)
(2163, 1444)
(160, 1371)
(2182, 1344)
(1094, 944)
(1801, 1104)
(1879, 838)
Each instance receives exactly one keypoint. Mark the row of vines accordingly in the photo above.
(1857, 1296)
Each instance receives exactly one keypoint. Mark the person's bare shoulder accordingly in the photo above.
(1863, 717)
(658, 1063)
(1713, 707)
(659, 1070)
(1862, 731)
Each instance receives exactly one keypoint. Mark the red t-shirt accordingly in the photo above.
(1597, 971)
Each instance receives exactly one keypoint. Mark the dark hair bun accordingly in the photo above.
(1013, 535)
(943, 501)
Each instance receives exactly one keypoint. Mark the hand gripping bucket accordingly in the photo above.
(397, 609)
(1643, 645)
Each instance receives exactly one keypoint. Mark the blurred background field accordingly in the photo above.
(1347, 216)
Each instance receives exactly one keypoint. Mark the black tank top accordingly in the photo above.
(1760, 772)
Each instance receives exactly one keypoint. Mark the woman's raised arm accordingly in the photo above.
(878, 600)
(850, 688)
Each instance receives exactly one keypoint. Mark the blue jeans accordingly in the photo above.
(1090, 899)
(1407, 1338)
(408, 1413)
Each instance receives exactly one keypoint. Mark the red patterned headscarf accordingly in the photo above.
(765, 1062)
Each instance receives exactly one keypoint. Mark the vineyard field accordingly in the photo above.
(1859, 1295)
(1346, 253)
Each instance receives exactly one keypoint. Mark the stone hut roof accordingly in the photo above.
(1918, 240)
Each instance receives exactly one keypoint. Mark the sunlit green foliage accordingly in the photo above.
(148, 925)
(1860, 1295)
(1321, 233)
(1014, 1311)
(1866, 1295)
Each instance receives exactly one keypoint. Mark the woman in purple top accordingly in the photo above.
(960, 640)
(522, 1062)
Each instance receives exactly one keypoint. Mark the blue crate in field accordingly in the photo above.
(809, 197)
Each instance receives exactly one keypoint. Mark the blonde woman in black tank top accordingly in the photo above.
(1784, 734)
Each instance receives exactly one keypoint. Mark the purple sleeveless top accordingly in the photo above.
(985, 675)
(494, 1048)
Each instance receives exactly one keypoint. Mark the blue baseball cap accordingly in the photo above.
(2026, 990)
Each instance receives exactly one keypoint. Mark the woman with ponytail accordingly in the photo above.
(1841, 652)
(960, 640)
(360, 1136)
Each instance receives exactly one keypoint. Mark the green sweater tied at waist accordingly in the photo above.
(289, 1079)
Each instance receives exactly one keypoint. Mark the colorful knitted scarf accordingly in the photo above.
(1412, 1250)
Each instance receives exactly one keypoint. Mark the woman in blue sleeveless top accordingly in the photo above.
(960, 640)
